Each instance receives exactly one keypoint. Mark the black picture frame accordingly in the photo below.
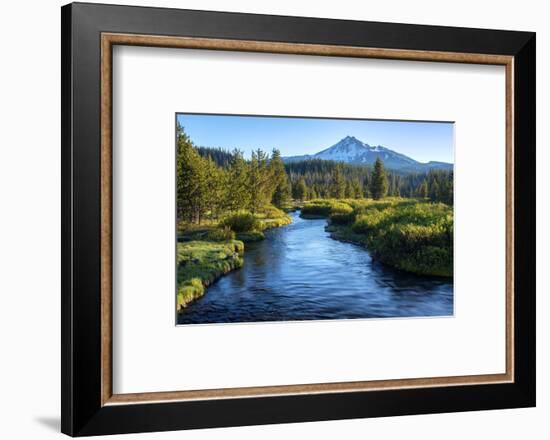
(82, 409)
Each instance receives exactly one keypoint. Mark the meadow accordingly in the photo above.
(414, 235)
(208, 251)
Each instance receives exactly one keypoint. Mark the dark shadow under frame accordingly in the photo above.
(89, 407)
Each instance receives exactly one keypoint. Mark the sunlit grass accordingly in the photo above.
(200, 263)
(208, 251)
(410, 234)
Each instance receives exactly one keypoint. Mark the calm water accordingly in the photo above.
(299, 273)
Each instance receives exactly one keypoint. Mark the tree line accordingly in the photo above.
(213, 181)
(207, 189)
(317, 178)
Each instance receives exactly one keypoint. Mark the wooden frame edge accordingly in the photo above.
(106, 222)
(109, 39)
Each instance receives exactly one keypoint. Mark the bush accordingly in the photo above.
(342, 219)
(273, 212)
(241, 222)
(408, 234)
(318, 209)
(324, 208)
(369, 221)
(251, 236)
(340, 208)
(223, 234)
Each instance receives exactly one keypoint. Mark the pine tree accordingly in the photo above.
(357, 189)
(379, 181)
(350, 190)
(433, 190)
(191, 179)
(260, 189)
(300, 189)
(238, 196)
(281, 194)
(337, 183)
(215, 193)
(312, 193)
(449, 197)
(422, 190)
(397, 186)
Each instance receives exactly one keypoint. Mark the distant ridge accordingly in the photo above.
(353, 151)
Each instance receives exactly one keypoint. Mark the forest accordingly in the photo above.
(225, 200)
(273, 181)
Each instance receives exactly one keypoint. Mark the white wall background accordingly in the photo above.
(30, 203)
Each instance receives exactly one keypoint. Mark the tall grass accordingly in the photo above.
(207, 252)
(200, 263)
(412, 235)
(325, 207)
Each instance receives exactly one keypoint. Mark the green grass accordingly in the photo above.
(208, 251)
(409, 234)
(272, 217)
(200, 263)
(250, 227)
(325, 207)
(250, 236)
(268, 223)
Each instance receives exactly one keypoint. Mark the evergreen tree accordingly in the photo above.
(214, 194)
(312, 193)
(422, 191)
(191, 179)
(433, 191)
(337, 183)
(357, 189)
(281, 193)
(350, 190)
(449, 196)
(260, 189)
(397, 186)
(238, 195)
(221, 157)
(379, 181)
(366, 184)
(300, 189)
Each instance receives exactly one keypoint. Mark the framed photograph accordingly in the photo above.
(272, 219)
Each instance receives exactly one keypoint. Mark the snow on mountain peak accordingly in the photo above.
(353, 151)
(347, 149)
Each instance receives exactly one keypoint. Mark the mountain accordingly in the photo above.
(352, 151)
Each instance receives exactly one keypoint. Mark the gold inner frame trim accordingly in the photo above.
(108, 40)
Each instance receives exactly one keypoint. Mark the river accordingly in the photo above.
(299, 273)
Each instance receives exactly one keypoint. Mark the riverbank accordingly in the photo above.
(413, 235)
(200, 263)
(299, 273)
(207, 252)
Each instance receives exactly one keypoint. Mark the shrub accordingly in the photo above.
(318, 209)
(241, 222)
(273, 212)
(324, 208)
(220, 234)
(340, 208)
(408, 234)
(370, 220)
(342, 219)
(251, 236)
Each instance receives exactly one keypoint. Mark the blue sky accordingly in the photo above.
(422, 141)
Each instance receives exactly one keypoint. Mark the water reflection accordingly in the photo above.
(300, 273)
